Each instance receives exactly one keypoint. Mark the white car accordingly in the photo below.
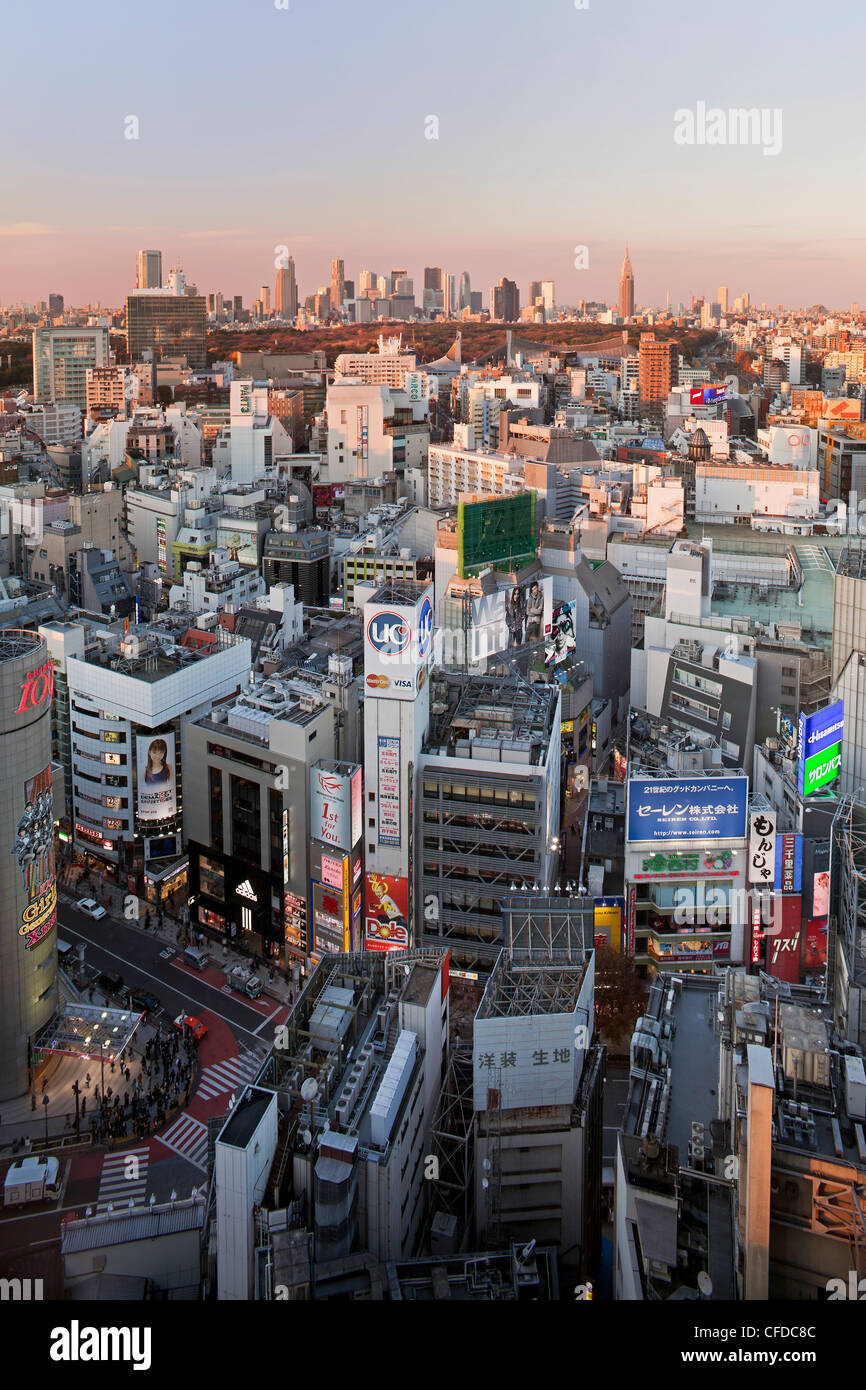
(90, 907)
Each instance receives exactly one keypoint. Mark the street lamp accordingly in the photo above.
(45, 1108)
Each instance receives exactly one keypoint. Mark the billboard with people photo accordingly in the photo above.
(157, 777)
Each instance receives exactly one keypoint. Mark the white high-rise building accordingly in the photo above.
(548, 295)
(61, 358)
(148, 270)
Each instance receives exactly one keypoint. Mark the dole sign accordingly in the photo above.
(398, 639)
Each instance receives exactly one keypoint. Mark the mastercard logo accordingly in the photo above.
(378, 682)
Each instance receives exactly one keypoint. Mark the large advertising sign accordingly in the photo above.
(707, 395)
(762, 846)
(389, 790)
(713, 808)
(607, 921)
(398, 644)
(34, 852)
(841, 408)
(161, 547)
(498, 531)
(788, 877)
(329, 932)
(386, 915)
(335, 804)
(783, 945)
(157, 776)
(519, 616)
(819, 759)
(816, 943)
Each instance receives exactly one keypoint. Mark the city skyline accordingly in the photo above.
(704, 213)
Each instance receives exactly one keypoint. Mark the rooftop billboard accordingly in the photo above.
(710, 808)
(498, 531)
(819, 754)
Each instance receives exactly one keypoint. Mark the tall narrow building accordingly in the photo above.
(286, 300)
(626, 288)
(338, 284)
(148, 270)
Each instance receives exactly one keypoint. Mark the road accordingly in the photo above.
(149, 962)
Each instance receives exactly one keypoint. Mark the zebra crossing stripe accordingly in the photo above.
(187, 1137)
(227, 1076)
(115, 1186)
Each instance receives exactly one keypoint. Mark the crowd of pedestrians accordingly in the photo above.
(138, 1106)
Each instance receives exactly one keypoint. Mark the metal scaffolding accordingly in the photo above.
(848, 875)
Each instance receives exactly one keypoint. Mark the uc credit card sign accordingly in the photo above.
(712, 808)
(819, 759)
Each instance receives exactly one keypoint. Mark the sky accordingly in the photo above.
(306, 126)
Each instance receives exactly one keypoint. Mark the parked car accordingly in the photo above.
(193, 1025)
(90, 907)
(33, 1179)
(109, 982)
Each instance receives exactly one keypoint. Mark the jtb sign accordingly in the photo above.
(710, 808)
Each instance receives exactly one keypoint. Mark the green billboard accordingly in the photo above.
(498, 531)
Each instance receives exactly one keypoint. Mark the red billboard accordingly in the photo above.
(816, 943)
(784, 939)
(386, 913)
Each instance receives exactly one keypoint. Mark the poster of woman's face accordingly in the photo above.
(157, 777)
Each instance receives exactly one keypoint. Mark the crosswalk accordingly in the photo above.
(187, 1137)
(221, 1077)
(123, 1178)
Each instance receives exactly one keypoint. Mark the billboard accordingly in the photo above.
(335, 803)
(819, 752)
(398, 643)
(821, 894)
(389, 790)
(157, 776)
(329, 929)
(607, 920)
(788, 877)
(762, 846)
(561, 640)
(161, 547)
(816, 943)
(386, 915)
(707, 395)
(840, 408)
(513, 617)
(713, 808)
(33, 848)
(498, 531)
(783, 946)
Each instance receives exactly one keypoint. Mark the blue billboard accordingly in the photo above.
(819, 752)
(710, 808)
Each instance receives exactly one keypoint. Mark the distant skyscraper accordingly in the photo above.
(449, 289)
(237, 305)
(287, 291)
(265, 297)
(464, 300)
(367, 282)
(55, 306)
(534, 291)
(398, 274)
(548, 295)
(338, 284)
(61, 357)
(722, 297)
(148, 273)
(505, 301)
(433, 277)
(626, 288)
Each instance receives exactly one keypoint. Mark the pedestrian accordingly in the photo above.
(87, 1081)
(126, 1073)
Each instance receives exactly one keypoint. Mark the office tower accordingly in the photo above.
(476, 301)
(398, 274)
(287, 291)
(55, 306)
(338, 284)
(61, 357)
(348, 289)
(322, 302)
(626, 288)
(265, 297)
(433, 277)
(449, 294)
(215, 304)
(148, 271)
(722, 297)
(169, 325)
(464, 300)
(505, 301)
(237, 305)
(548, 295)
(657, 371)
(367, 284)
(28, 887)
(747, 301)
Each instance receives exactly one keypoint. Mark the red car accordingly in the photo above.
(195, 1025)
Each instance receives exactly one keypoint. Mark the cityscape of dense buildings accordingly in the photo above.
(433, 841)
